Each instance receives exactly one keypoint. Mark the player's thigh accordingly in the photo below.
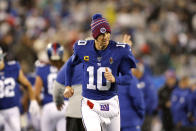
(114, 125)
(46, 119)
(59, 117)
(90, 119)
(36, 122)
(2, 121)
(13, 119)
(61, 125)
(51, 116)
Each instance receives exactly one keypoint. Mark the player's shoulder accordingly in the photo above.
(39, 64)
(122, 47)
(12, 62)
(82, 44)
(12, 65)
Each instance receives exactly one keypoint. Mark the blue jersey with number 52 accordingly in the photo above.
(9, 87)
(117, 57)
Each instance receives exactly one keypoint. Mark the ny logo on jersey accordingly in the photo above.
(104, 107)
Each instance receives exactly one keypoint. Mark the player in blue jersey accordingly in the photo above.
(103, 60)
(51, 118)
(11, 76)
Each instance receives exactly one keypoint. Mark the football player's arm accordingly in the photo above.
(59, 88)
(25, 82)
(38, 87)
(34, 107)
(70, 64)
(73, 60)
(58, 95)
(126, 76)
(127, 62)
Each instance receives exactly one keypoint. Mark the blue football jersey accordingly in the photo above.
(9, 86)
(117, 57)
(48, 75)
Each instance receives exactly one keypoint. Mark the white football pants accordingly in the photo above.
(94, 122)
(11, 119)
(51, 116)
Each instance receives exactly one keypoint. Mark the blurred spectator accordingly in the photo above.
(179, 105)
(192, 104)
(25, 49)
(164, 100)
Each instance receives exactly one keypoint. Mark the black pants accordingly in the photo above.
(74, 124)
(147, 125)
(184, 128)
(167, 120)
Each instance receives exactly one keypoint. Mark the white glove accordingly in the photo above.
(34, 108)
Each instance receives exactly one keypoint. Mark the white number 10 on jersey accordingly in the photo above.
(100, 72)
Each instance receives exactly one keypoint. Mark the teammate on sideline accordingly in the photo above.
(132, 106)
(11, 76)
(149, 93)
(46, 74)
(103, 60)
(131, 101)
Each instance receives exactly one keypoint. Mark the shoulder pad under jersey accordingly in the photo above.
(80, 44)
(13, 62)
(39, 63)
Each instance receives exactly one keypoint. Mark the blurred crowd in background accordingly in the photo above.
(163, 31)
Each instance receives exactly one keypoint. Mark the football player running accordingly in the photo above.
(11, 76)
(51, 118)
(103, 60)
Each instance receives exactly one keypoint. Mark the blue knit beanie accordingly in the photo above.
(99, 25)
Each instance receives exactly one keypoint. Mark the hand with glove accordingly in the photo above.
(34, 108)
